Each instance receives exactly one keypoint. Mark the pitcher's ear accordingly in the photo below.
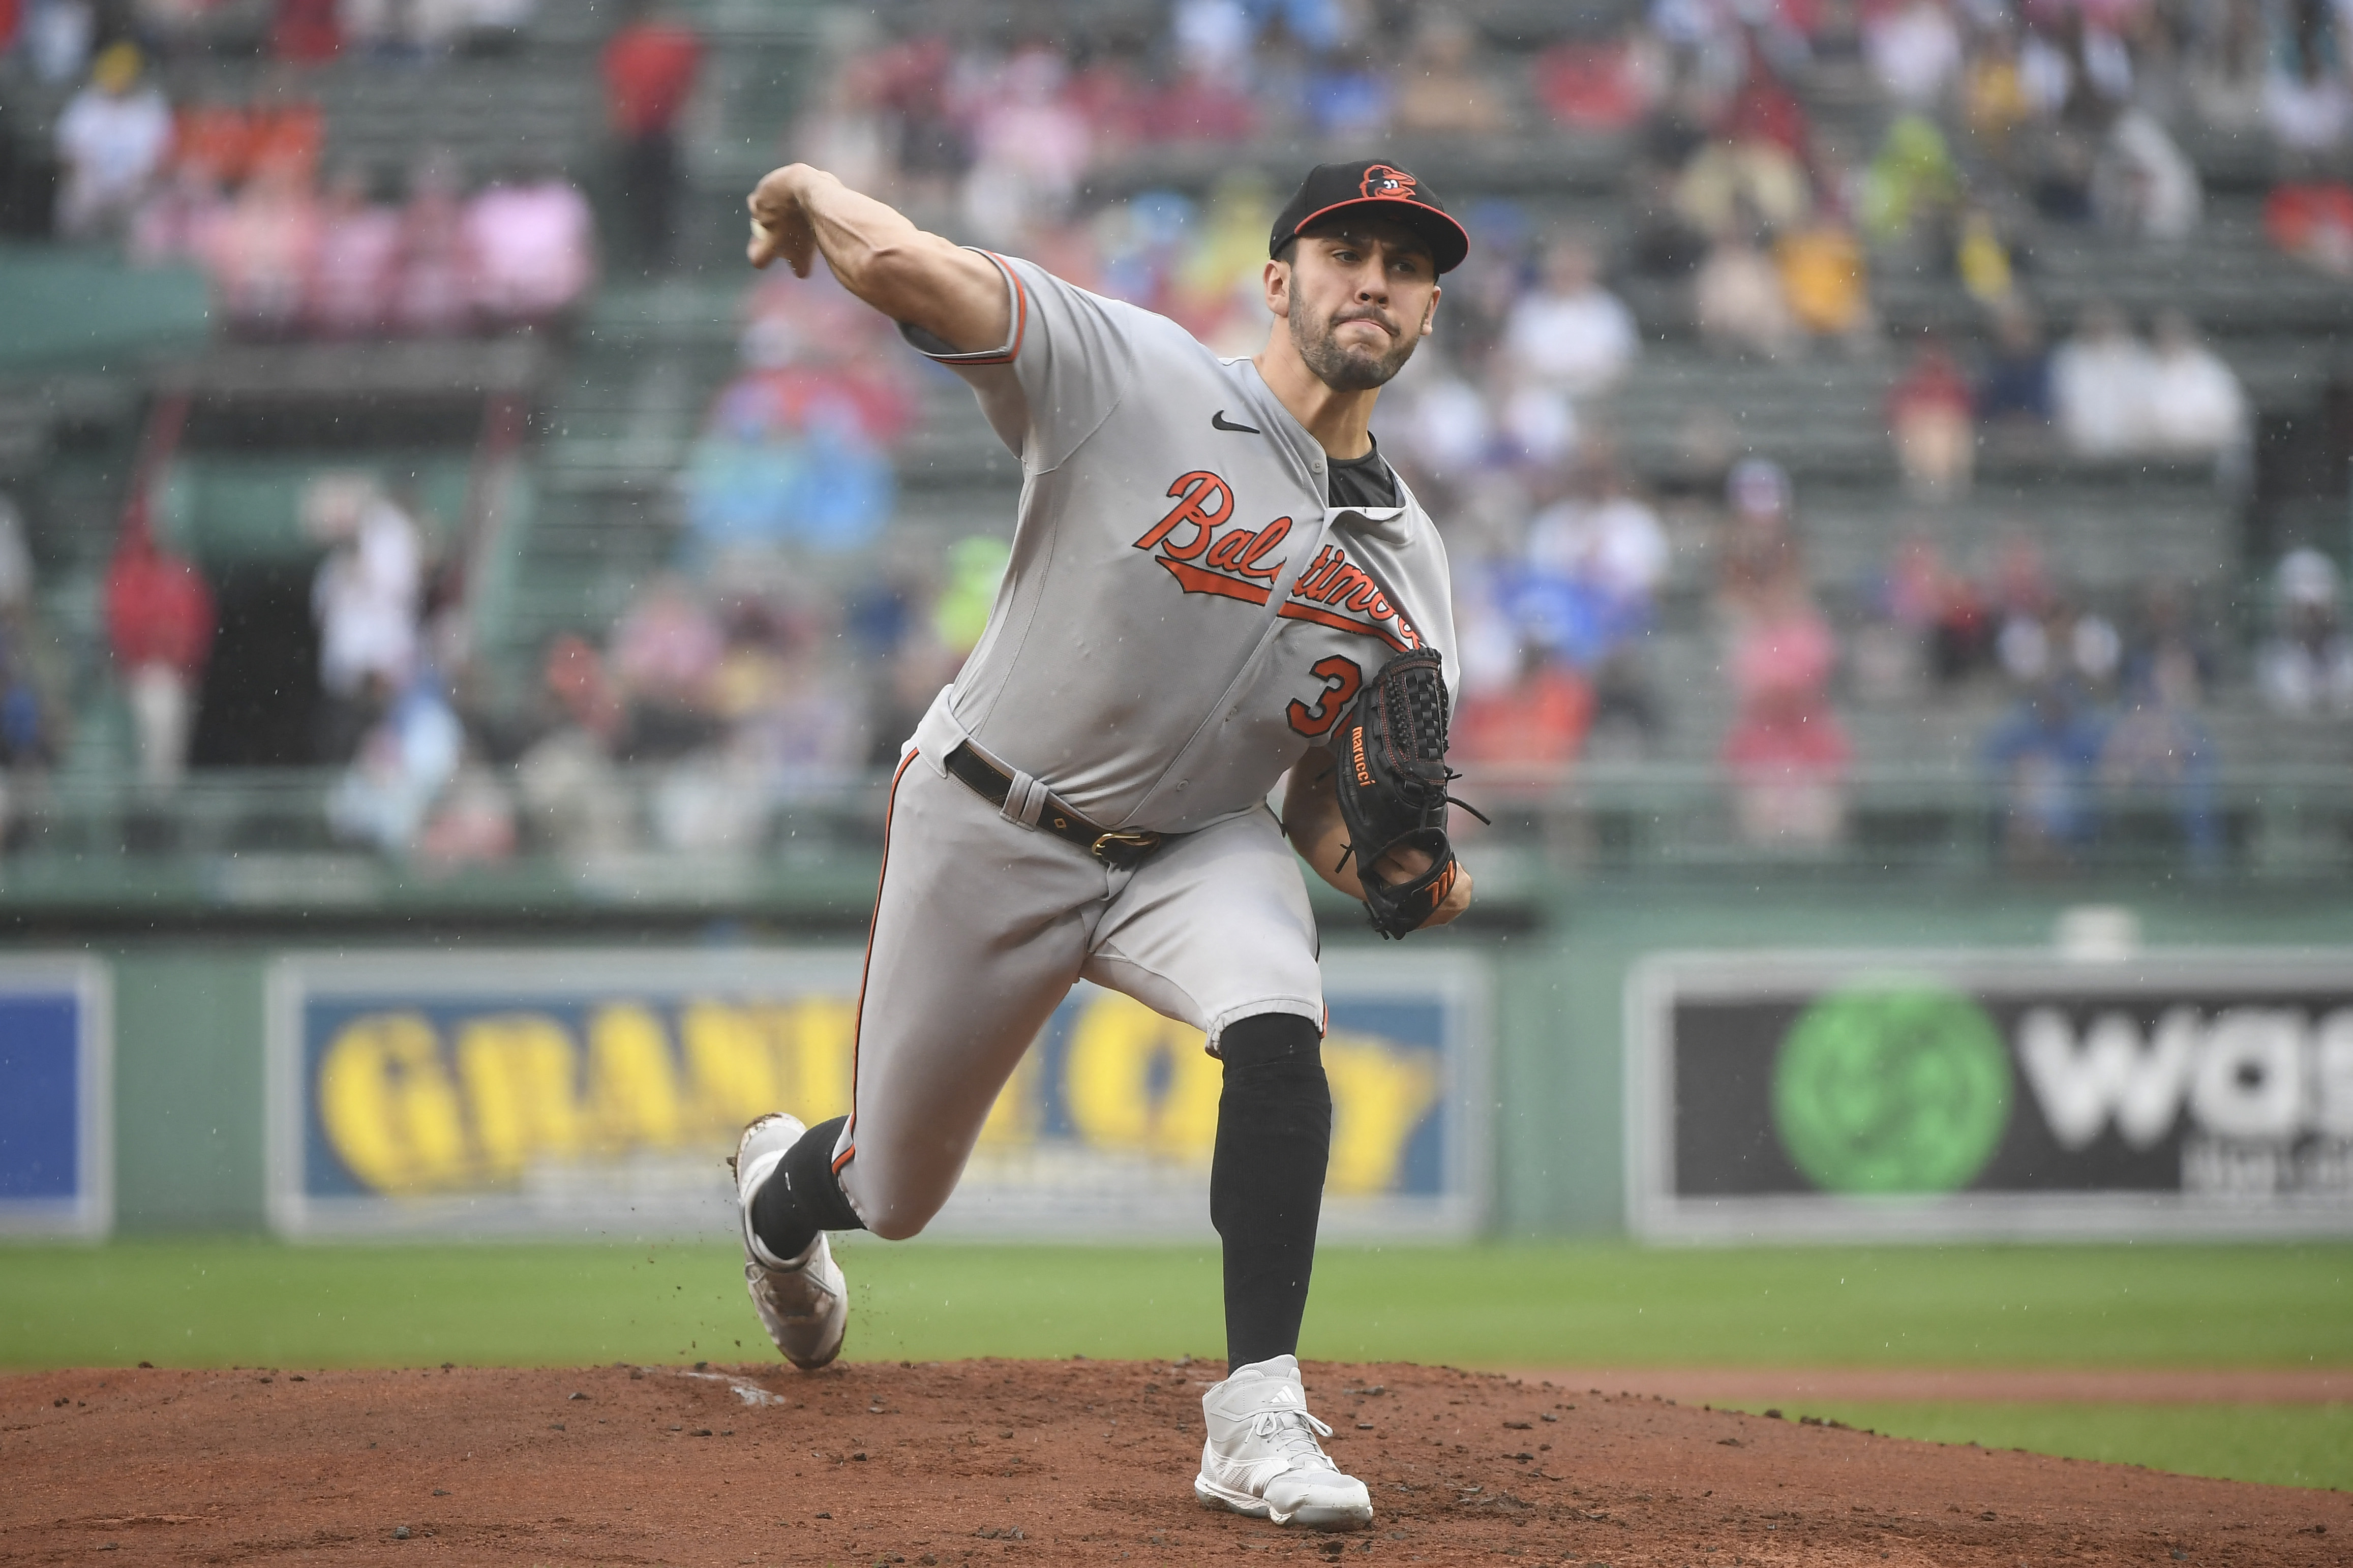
(1277, 282)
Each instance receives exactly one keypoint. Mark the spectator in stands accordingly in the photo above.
(2142, 186)
(2313, 221)
(1787, 755)
(1602, 87)
(1606, 543)
(2227, 67)
(532, 244)
(576, 803)
(2194, 403)
(1570, 332)
(159, 621)
(2099, 381)
(2305, 98)
(1350, 92)
(1664, 243)
(32, 729)
(1538, 423)
(57, 35)
(795, 453)
(2165, 630)
(1986, 259)
(473, 821)
(264, 253)
(111, 140)
(2043, 756)
(1930, 414)
(2306, 667)
(1914, 50)
(664, 663)
(1758, 564)
(1527, 728)
(651, 66)
(435, 293)
(2013, 395)
(1823, 280)
(1754, 181)
(1912, 183)
(307, 32)
(1737, 301)
(179, 223)
(404, 762)
(2160, 747)
(795, 718)
(1442, 91)
(357, 262)
(1029, 147)
(367, 599)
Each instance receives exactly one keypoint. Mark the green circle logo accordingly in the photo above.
(1892, 1088)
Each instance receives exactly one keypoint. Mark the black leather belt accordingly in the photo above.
(1123, 849)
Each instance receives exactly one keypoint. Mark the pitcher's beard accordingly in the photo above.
(1347, 369)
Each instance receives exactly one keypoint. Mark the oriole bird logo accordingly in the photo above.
(1396, 184)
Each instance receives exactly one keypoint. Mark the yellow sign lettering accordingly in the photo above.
(1379, 1095)
(519, 1071)
(388, 1106)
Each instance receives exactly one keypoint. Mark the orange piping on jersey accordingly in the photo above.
(1020, 322)
(858, 1025)
(1296, 610)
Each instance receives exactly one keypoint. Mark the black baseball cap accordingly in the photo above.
(1383, 188)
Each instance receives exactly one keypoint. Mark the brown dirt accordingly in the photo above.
(1025, 1462)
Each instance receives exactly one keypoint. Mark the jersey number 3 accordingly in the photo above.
(1341, 678)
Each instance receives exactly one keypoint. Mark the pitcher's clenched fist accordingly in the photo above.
(780, 223)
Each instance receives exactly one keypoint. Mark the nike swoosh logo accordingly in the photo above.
(1219, 421)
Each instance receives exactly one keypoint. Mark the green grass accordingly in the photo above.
(247, 1302)
(2284, 1445)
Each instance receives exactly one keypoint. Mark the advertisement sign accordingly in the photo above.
(588, 1093)
(57, 1099)
(2200, 1092)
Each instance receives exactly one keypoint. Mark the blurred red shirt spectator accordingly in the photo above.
(158, 609)
(1539, 720)
(306, 32)
(649, 70)
(1598, 87)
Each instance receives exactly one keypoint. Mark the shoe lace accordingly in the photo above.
(1292, 1433)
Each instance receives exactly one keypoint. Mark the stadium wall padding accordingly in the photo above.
(188, 1131)
(189, 1075)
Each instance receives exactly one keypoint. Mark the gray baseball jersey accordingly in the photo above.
(1182, 617)
(1184, 614)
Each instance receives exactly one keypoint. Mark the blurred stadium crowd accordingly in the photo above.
(1730, 255)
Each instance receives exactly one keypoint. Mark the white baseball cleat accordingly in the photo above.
(1262, 1459)
(803, 1301)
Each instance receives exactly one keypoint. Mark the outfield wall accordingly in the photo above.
(190, 1014)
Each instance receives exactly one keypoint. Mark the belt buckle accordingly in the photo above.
(1125, 848)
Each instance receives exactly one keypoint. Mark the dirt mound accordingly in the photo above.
(1023, 1462)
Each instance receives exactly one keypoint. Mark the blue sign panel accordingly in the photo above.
(55, 1104)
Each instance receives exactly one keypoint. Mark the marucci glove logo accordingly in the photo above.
(1333, 592)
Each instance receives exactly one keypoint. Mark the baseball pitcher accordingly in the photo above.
(1216, 580)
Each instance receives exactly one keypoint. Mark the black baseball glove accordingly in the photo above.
(1391, 781)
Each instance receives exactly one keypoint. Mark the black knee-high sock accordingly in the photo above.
(1266, 1178)
(804, 1196)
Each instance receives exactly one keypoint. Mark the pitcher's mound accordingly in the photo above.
(1062, 1462)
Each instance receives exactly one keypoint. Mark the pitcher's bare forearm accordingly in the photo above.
(799, 212)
